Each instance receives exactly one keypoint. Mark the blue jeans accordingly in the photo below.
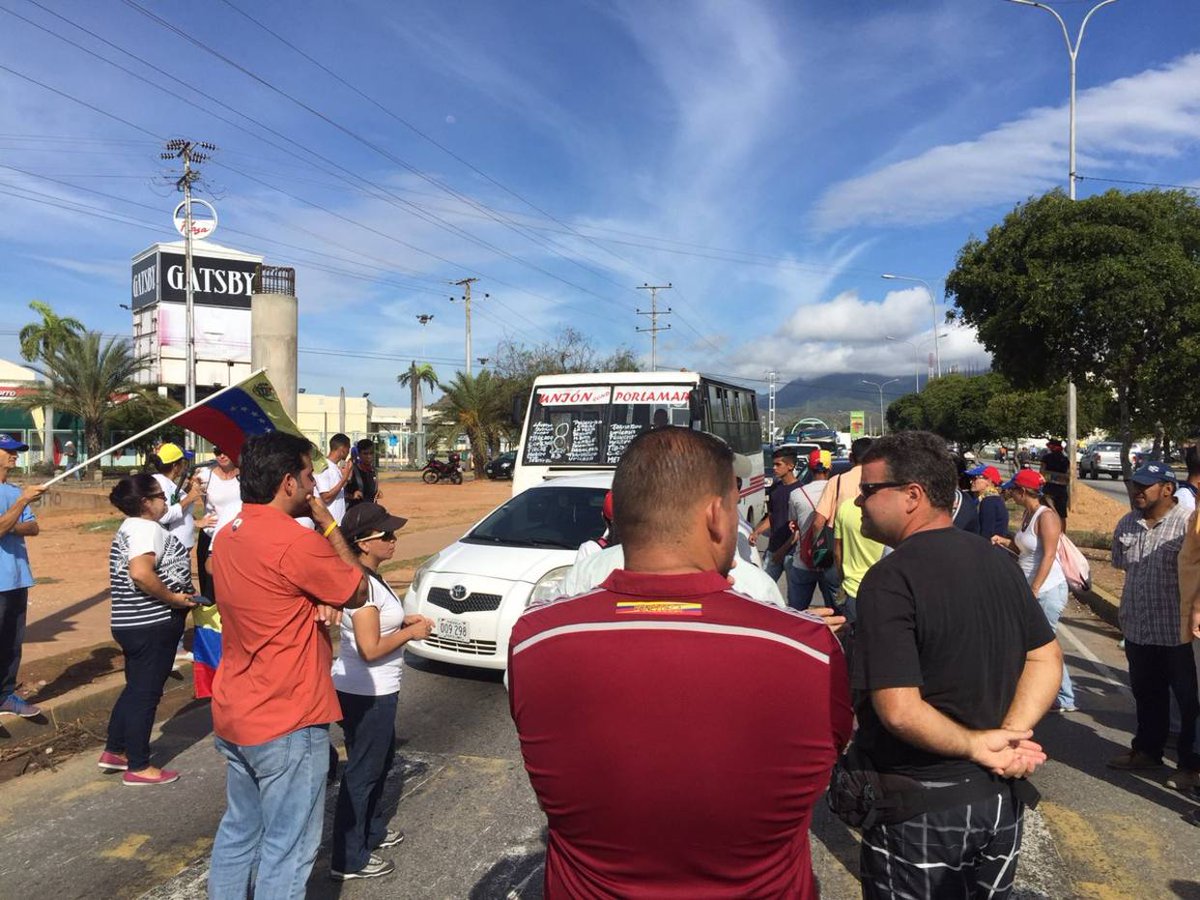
(275, 805)
(359, 825)
(1053, 601)
(772, 568)
(149, 655)
(802, 582)
(13, 607)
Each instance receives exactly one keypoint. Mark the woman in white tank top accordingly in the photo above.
(1036, 543)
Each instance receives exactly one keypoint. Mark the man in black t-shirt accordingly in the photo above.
(1056, 469)
(775, 522)
(954, 664)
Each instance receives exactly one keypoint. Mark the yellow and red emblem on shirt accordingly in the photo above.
(659, 608)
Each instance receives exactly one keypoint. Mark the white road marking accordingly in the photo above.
(1107, 674)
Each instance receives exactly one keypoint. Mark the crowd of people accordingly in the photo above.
(920, 677)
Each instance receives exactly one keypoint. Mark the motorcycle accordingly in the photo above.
(435, 470)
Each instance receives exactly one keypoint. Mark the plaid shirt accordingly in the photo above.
(1149, 555)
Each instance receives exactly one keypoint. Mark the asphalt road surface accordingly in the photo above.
(474, 829)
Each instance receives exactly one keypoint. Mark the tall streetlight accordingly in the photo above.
(937, 353)
(1073, 56)
(881, 386)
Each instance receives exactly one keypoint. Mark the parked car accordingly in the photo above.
(501, 467)
(475, 589)
(1105, 457)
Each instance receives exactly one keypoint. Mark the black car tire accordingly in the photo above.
(1114, 475)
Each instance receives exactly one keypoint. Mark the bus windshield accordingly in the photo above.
(591, 425)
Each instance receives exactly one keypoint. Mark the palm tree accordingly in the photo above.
(416, 376)
(39, 340)
(94, 380)
(475, 405)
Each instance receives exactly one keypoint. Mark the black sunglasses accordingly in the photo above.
(159, 496)
(870, 488)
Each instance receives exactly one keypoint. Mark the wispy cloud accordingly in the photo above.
(1153, 114)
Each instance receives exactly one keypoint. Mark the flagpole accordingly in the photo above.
(152, 428)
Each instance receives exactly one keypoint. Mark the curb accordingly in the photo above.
(62, 711)
(1102, 603)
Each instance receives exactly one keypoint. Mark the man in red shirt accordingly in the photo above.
(676, 733)
(280, 585)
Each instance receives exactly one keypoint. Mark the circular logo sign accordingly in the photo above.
(202, 226)
(458, 593)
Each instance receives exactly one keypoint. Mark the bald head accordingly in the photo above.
(664, 476)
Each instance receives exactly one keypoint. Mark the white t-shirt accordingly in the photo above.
(801, 511)
(354, 675)
(131, 606)
(222, 498)
(1185, 499)
(181, 523)
(327, 481)
(590, 572)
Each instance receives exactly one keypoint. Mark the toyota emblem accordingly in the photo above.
(458, 593)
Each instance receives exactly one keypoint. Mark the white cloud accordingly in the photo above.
(1155, 113)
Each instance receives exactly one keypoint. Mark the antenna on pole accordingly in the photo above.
(654, 313)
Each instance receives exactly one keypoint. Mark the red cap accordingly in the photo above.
(1028, 479)
(607, 511)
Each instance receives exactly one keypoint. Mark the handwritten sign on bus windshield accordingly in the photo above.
(652, 394)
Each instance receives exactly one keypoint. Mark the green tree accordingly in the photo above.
(39, 340)
(477, 406)
(96, 380)
(1104, 291)
(954, 406)
(414, 377)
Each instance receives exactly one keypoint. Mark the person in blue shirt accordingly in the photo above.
(993, 514)
(16, 524)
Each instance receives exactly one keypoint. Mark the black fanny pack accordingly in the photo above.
(862, 796)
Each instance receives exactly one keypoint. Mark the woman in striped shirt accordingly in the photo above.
(152, 591)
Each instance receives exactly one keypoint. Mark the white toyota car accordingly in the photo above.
(477, 587)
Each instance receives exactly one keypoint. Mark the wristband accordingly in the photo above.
(329, 529)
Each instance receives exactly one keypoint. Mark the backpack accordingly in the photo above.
(1074, 565)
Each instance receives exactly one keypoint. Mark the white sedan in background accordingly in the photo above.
(477, 587)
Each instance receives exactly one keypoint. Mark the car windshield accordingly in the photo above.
(544, 517)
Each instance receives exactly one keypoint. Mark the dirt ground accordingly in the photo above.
(69, 604)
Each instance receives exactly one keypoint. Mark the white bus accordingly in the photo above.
(577, 424)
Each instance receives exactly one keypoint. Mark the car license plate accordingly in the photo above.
(454, 630)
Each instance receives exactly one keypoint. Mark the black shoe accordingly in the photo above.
(375, 868)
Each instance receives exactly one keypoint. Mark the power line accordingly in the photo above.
(1157, 184)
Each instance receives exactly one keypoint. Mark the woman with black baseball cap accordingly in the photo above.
(367, 677)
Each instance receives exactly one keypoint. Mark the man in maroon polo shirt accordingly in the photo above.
(677, 733)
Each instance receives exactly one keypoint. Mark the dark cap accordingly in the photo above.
(367, 518)
(8, 442)
(1153, 473)
(1054, 442)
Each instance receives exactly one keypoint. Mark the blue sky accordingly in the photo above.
(768, 159)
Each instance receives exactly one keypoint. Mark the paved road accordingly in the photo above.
(474, 829)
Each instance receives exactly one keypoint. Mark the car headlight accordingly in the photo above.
(549, 586)
(419, 574)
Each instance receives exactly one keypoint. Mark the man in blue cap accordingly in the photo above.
(1146, 546)
(16, 524)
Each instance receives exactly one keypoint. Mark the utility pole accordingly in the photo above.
(654, 313)
(465, 284)
(772, 379)
(1073, 56)
(191, 152)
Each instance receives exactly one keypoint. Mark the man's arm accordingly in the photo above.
(1118, 548)
(322, 518)
(10, 521)
(1000, 750)
(1036, 688)
(330, 495)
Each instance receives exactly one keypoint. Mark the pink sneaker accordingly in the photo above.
(132, 779)
(112, 762)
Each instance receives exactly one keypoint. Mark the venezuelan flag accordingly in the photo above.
(206, 648)
(247, 409)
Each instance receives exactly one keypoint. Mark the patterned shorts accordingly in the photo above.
(966, 851)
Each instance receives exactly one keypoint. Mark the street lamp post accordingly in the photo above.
(1073, 56)
(881, 386)
(937, 353)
